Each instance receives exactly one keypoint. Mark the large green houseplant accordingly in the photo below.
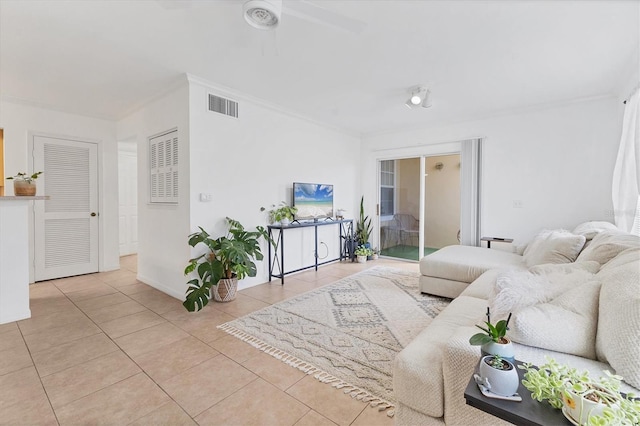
(363, 226)
(228, 259)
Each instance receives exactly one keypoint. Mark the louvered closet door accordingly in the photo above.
(66, 225)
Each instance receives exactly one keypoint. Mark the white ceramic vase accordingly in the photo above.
(361, 258)
(285, 221)
(579, 409)
(504, 350)
(500, 382)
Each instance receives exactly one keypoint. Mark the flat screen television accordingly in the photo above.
(313, 200)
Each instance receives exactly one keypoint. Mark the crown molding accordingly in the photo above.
(495, 114)
(52, 107)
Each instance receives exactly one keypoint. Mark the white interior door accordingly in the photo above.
(128, 199)
(66, 225)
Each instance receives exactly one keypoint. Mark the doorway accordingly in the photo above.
(66, 225)
(128, 197)
(419, 215)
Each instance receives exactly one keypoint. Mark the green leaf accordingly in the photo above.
(479, 339)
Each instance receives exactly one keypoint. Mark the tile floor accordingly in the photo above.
(106, 349)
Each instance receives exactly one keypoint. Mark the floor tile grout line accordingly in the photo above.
(44, 389)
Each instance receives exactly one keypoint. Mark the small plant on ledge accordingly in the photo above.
(24, 184)
(25, 177)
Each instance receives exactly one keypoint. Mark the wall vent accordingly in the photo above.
(223, 106)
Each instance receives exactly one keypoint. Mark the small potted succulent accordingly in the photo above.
(282, 213)
(583, 400)
(494, 341)
(362, 253)
(498, 375)
(24, 184)
(376, 253)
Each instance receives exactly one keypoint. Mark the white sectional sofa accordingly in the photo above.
(579, 308)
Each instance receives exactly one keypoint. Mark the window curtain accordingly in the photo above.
(626, 173)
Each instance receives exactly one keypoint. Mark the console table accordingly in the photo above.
(527, 412)
(276, 254)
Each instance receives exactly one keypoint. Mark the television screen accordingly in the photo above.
(313, 200)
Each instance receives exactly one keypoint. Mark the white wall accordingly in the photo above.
(252, 161)
(162, 229)
(20, 121)
(557, 161)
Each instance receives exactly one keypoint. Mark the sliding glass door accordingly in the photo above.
(419, 205)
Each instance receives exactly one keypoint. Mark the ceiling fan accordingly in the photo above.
(267, 14)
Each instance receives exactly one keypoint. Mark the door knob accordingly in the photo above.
(94, 214)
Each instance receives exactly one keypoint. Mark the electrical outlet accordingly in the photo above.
(205, 198)
(517, 204)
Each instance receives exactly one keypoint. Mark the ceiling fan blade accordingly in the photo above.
(306, 10)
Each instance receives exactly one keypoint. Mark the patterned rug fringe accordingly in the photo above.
(323, 377)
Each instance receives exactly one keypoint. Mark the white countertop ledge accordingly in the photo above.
(23, 197)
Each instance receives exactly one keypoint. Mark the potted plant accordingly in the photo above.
(362, 253)
(583, 400)
(228, 259)
(499, 375)
(282, 213)
(363, 226)
(24, 184)
(494, 341)
(375, 254)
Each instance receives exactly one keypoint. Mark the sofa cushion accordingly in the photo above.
(417, 369)
(466, 263)
(618, 339)
(566, 324)
(607, 245)
(558, 246)
(514, 290)
(593, 228)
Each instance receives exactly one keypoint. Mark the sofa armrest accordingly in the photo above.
(459, 361)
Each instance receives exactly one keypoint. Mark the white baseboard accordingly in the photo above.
(158, 286)
(6, 317)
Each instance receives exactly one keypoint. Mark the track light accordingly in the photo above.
(419, 96)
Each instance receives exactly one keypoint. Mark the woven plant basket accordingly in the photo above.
(226, 290)
(23, 188)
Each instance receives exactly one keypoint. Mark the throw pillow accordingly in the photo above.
(593, 228)
(554, 247)
(566, 324)
(607, 245)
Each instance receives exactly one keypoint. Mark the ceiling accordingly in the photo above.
(479, 58)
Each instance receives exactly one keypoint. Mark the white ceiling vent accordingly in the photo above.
(223, 106)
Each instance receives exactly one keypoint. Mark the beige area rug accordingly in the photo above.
(346, 333)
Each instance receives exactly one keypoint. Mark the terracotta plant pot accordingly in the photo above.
(226, 290)
(24, 188)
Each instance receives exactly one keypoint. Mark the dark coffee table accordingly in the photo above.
(527, 412)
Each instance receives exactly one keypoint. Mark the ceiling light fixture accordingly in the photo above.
(420, 95)
(262, 14)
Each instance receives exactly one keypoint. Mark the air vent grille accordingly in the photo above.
(223, 106)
